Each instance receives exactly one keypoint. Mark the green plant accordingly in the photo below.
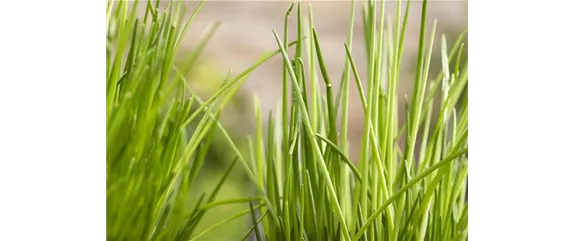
(317, 193)
(306, 186)
(157, 142)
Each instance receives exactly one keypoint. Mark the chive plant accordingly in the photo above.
(390, 193)
(306, 185)
(158, 129)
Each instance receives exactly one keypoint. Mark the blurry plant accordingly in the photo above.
(206, 79)
(148, 149)
(156, 141)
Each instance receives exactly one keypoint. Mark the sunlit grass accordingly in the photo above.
(159, 130)
(306, 186)
(314, 187)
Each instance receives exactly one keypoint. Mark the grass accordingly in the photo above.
(159, 132)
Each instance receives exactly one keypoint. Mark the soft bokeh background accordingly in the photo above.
(245, 33)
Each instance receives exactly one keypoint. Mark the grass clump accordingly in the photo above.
(306, 185)
(148, 149)
(411, 193)
(159, 130)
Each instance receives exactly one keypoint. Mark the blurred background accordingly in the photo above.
(245, 33)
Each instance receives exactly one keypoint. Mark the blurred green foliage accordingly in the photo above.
(206, 79)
